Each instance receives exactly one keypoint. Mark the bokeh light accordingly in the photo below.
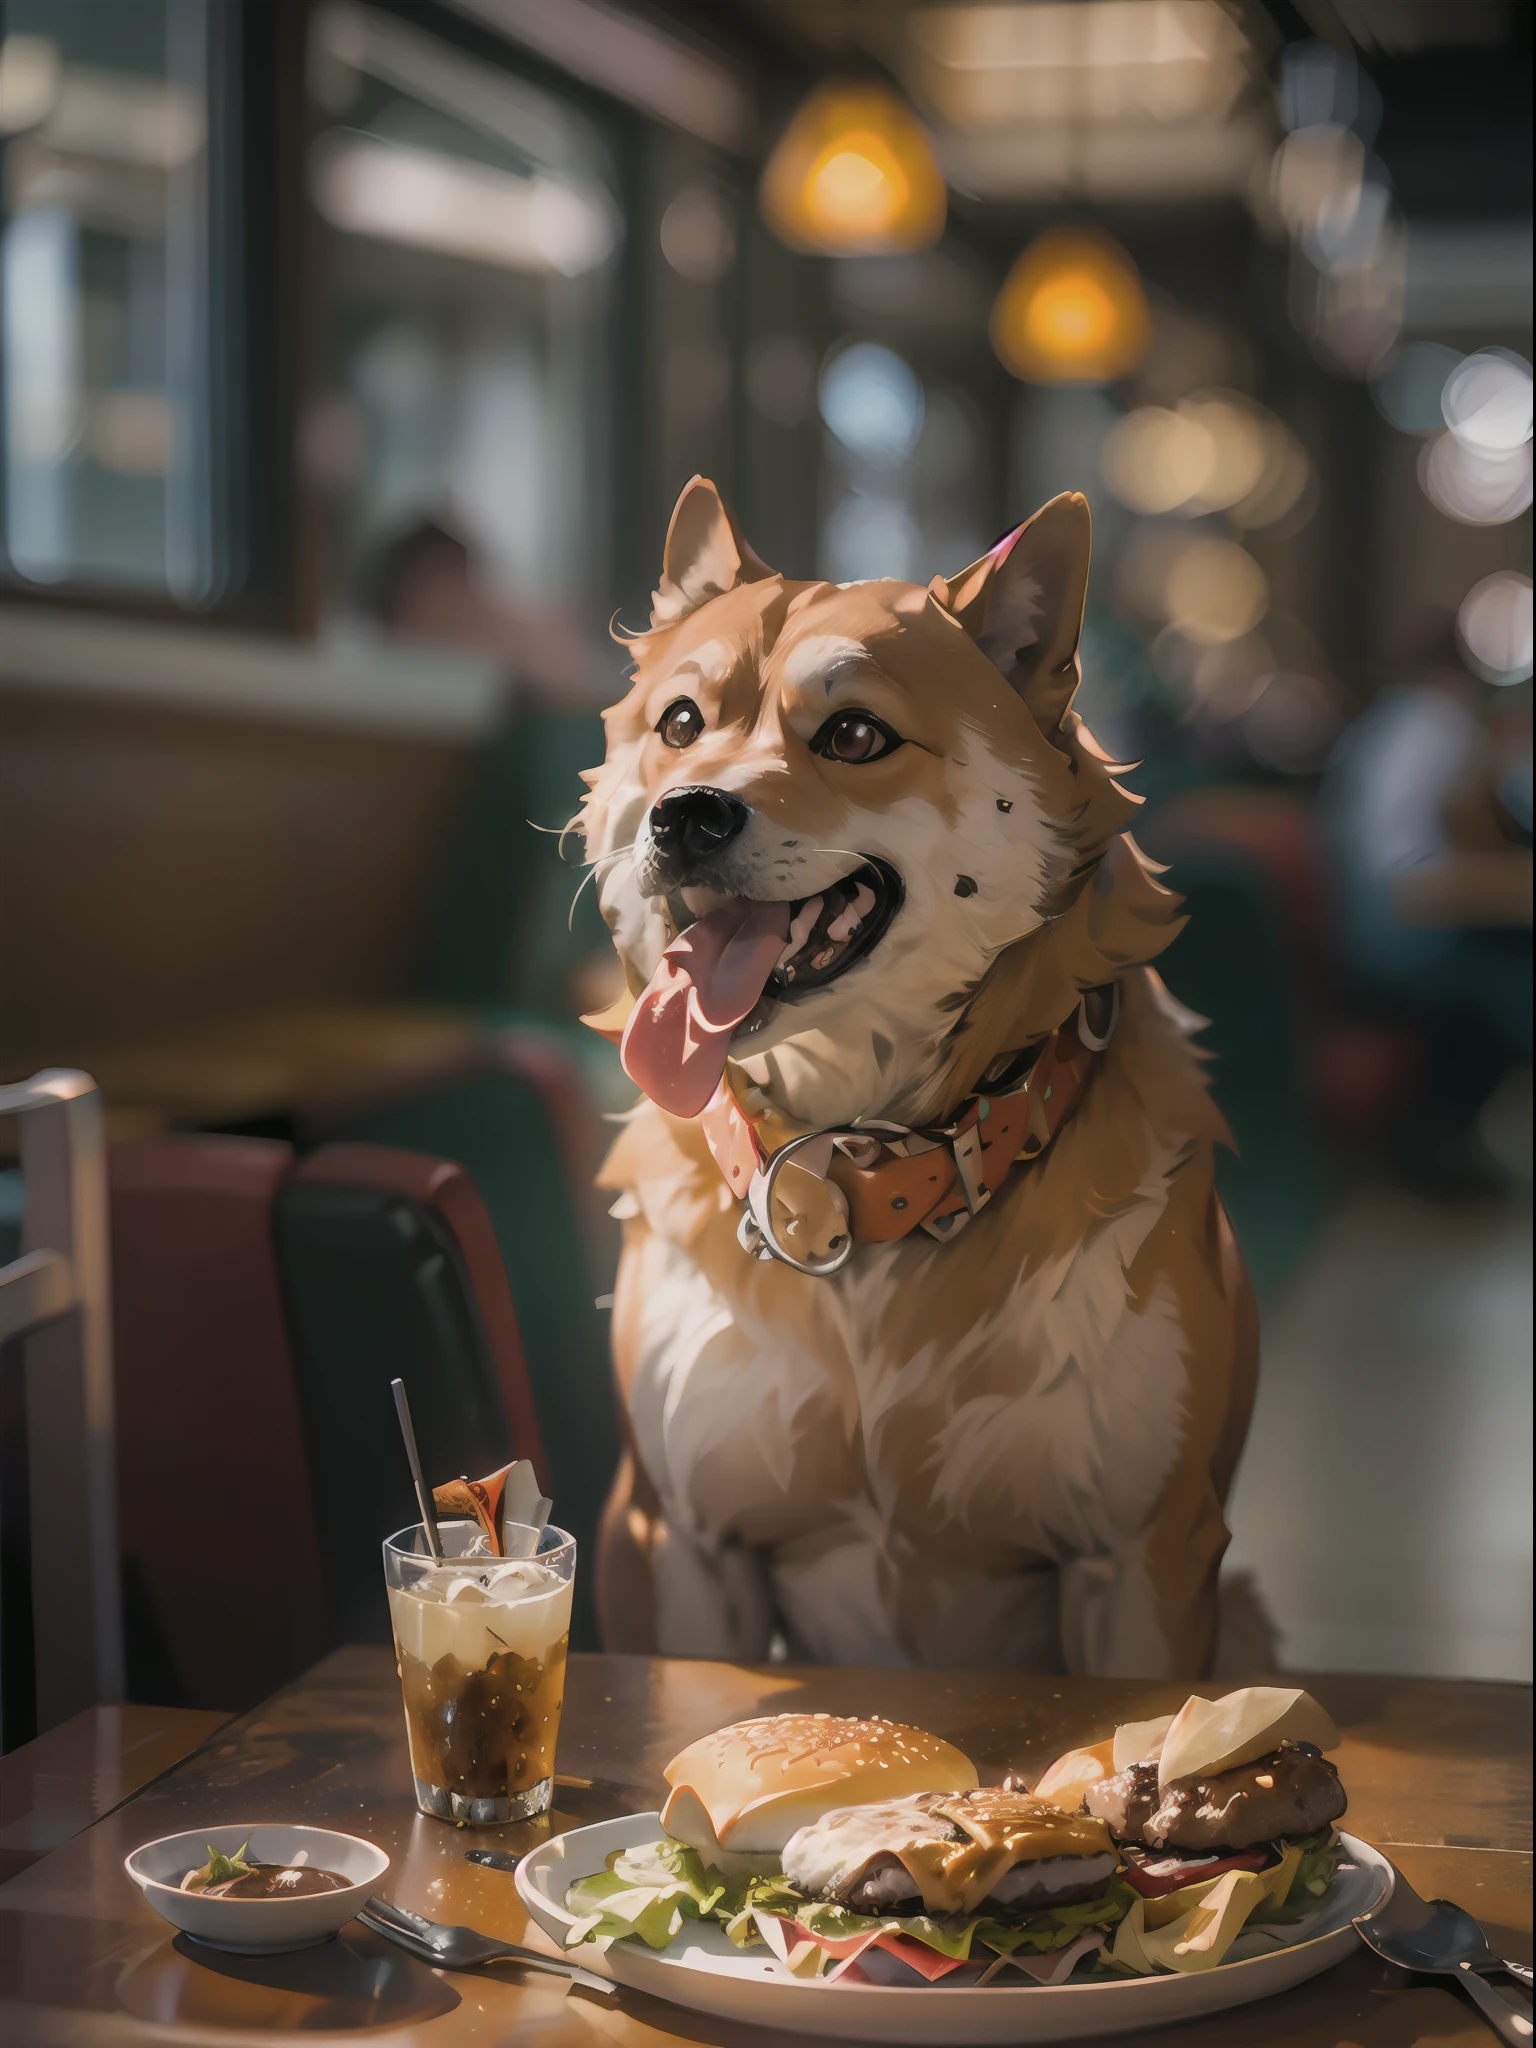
(1322, 87)
(1215, 592)
(1487, 401)
(30, 77)
(1314, 170)
(1408, 386)
(1472, 487)
(1494, 627)
(1351, 226)
(698, 237)
(854, 174)
(1156, 459)
(872, 402)
(1212, 452)
(1072, 310)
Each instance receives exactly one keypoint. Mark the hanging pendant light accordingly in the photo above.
(1072, 311)
(854, 175)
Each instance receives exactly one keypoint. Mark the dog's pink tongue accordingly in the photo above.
(679, 1032)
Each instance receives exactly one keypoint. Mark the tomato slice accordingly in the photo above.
(1153, 1875)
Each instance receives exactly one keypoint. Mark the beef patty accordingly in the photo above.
(1292, 1791)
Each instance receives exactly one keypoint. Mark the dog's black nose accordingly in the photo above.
(688, 825)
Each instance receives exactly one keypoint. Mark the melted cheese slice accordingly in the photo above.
(1208, 1736)
(1200, 1936)
(1193, 1929)
(1006, 1828)
(1002, 1829)
(833, 1851)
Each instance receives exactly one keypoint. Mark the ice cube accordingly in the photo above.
(467, 1592)
(519, 1539)
(518, 1581)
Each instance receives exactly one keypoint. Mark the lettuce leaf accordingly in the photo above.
(1061, 1926)
(954, 1934)
(648, 1892)
(645, 1894)
(1321, 1855)
(950, 1936)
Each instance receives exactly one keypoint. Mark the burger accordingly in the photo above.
(853, 1835)
(737, 1796)
(1228, 1784)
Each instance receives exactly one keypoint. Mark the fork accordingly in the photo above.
(1438, 1938)
(464, 1948)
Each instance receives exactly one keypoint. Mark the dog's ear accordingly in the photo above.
(704, 555)
(1022, 604)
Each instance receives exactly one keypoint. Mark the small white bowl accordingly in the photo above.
(257, 1927)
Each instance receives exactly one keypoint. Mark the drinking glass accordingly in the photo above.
(481, 1644)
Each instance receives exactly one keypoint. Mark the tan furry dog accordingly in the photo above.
(861, 863)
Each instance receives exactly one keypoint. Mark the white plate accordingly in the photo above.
(258, 1927)
(701, 1969)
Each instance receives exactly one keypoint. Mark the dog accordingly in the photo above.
(870, 880)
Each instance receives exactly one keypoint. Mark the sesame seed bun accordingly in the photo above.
(739, 1794)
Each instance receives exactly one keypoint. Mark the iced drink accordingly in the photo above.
(481, 1643)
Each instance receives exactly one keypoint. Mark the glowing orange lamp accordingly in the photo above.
(854, 175)
(1072, 311)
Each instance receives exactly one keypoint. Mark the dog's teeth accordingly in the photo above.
(801, 929)
(853, 916)
(825, 957)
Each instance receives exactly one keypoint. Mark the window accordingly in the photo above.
(469, 265)
(104, 269)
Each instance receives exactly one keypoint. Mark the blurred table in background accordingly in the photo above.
(52, 1788)
(1438, 1775)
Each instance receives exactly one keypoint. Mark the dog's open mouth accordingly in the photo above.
(829, 933)
(731, 962)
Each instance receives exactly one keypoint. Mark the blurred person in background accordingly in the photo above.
(506, 936)
(425, 583)
(1428, 800)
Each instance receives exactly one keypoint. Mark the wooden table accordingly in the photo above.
(63, 1781)
(1438, 1775)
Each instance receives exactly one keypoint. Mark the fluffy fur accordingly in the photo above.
(1010, 1450)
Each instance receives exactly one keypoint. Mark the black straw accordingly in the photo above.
(423, 1498)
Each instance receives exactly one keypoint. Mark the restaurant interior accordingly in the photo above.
(354, 355)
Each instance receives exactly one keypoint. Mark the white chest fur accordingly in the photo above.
(908, 1494)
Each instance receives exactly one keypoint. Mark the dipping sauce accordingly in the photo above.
(272, 1881)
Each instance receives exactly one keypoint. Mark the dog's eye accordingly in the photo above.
(681, 723)
(855, 736)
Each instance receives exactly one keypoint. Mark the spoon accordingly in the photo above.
(1439, 1939)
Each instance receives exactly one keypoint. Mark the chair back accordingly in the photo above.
(223, 1578)
(517, 1117)
(391, 1271)
(61, 1629)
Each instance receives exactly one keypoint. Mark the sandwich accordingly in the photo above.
(738, 1795)
(1223, 1811)
(1227, 1783)
(842, 1837)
